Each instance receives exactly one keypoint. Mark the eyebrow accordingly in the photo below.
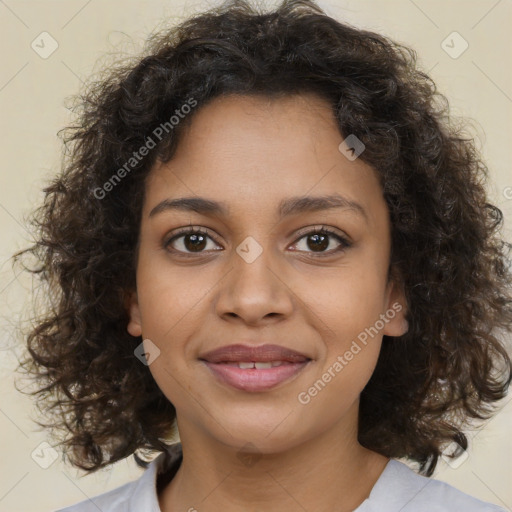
(287, 207)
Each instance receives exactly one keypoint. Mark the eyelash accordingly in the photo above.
(345, 244)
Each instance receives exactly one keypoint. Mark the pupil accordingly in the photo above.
(324, 243)
(198, 242)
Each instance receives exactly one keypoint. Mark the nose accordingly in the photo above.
(254, 292)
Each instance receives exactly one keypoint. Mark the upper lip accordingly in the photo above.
(261, 353)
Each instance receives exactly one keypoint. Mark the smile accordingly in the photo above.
(254, 376)
(259, 365)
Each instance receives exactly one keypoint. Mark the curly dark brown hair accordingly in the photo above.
(452, 365)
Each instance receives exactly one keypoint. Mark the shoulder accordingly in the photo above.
(141, 494)
(400, 488)
(112, 501)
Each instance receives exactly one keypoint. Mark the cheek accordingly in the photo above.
(167, 298)
(170, 311)
(346, 302)
(347, 309)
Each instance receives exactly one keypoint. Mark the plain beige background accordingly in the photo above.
(33, 89)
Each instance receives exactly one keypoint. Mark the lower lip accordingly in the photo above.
(252, 379)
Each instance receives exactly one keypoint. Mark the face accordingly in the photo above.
(264, 269)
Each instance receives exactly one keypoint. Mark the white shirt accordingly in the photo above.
(398, 489)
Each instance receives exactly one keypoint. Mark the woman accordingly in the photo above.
(269, 240)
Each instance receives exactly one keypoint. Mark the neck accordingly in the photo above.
(331, 471)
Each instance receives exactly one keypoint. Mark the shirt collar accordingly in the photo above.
(144, 495)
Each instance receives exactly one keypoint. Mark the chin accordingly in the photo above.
(251, 434)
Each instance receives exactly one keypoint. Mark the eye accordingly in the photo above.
(191, 241)
(320, 239)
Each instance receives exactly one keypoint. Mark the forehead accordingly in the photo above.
(254, 121)
(250, 152)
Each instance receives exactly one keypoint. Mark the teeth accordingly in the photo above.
(263, 366)
(258, 365)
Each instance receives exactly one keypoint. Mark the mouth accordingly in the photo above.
(254, 369)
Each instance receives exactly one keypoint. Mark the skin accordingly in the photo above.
(252, 152)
